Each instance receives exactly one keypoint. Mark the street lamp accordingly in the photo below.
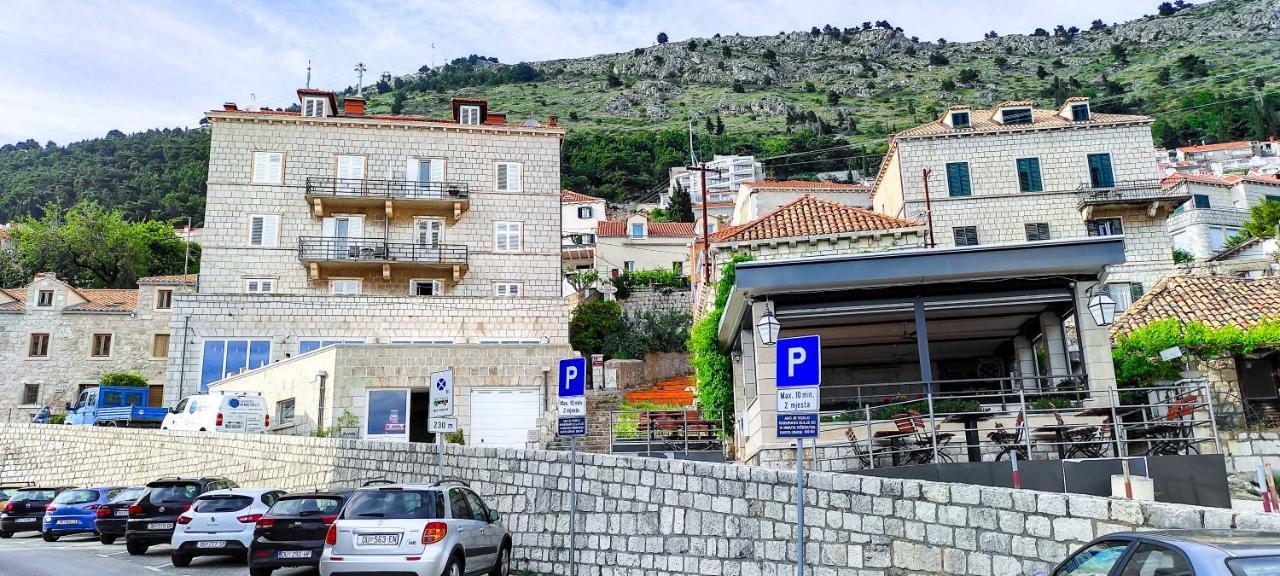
(768, 327)
(1102, 307)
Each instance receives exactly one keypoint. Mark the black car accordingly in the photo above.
(112, 516)
(292, 532)
(152, 517)
(25, 509)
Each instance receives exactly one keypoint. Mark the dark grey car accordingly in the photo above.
(1177, 553)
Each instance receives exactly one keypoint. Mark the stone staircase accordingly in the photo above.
(600, 407)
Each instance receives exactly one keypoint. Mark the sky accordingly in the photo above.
(78, 69)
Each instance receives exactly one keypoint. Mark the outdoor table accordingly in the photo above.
(891, 437)
(1060, 434)
(971, 441)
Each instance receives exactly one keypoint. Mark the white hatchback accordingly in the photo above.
(219, 412)
(220, 523)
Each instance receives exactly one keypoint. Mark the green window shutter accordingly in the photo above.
(1029, 175)
(1100, 175)
(958, 179)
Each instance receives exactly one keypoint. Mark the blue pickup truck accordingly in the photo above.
(115, 406)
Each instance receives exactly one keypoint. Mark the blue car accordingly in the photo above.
(75, 510)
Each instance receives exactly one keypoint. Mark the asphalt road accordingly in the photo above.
(27, 555)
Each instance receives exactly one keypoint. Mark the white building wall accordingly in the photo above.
(647, 253)
(571, 223)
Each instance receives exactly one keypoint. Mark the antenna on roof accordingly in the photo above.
(253, 102)
(359, 76)
(308, 72)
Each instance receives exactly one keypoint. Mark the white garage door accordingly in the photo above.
(503, 418)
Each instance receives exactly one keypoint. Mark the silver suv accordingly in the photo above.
(442, 529)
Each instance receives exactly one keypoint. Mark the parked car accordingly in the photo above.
(1177, 553)
(152, 517)
(25, 508)
(114, 406)
(443, 528)
(74, 511)
(219, 412)
(292, 532)
(8, 488)
(220, 523)
(111, 518)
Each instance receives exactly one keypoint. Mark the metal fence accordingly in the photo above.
(1127, 191)
(1027, 423)
(649, 431)
(361, 187)
(328, 248)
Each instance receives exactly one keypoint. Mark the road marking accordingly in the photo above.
(159, 566)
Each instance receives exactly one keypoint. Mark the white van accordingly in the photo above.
(220, 412)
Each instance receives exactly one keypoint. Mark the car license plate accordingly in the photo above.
(122, 512)
(26, 519)
(294, 554)
(379, 540)
(160, 526)
(62, 522)
(211, 544)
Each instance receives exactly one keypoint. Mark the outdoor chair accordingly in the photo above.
(1176, 435)
(1097, 444)
(862, 452)
(1010, 442)
(921, 440)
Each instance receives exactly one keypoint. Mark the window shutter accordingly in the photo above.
(503, 178)
(513, 177)
(256, 225)
(1092, 227)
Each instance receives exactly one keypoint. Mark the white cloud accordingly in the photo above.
(89, 67)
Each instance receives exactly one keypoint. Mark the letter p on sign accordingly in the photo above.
(799, 361)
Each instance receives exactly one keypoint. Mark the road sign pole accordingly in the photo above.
(573, 502)
(799, 506)
(439, 457)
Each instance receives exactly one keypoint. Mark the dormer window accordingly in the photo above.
(1016, 116)
(468, 114)
(1079, 112)
(313, 107)
(637, 229)
(959, 119)
(44, 298)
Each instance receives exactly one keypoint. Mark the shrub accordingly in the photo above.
(939, 59)
(592, 322)
(1181, 256)
(123, 379)
(459, 437)
(711, 364)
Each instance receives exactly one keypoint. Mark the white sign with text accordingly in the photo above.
(799, 399)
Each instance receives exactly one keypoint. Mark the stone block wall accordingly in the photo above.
(646, 516)
(1248, 450)
(656, 301)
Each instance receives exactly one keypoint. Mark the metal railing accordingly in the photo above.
(985, 426)
(649, 431)
(409, 189)
(330, 248)
(1126, 192)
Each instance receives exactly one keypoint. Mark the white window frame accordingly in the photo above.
(270, 235)
(498, 235)
(417, 233)
(338, 162)
(262, 177)
(260, 285)
(412, 168)
(505, 289)
(314, 106)
(519, 180)
(631, 230)
(437, 287)
(629, 266)
(469, 114)
(590, 212)
(359, 283)
(52, 296)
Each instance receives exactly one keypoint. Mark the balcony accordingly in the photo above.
(336, 255)
(1123, 195)
(326, 195)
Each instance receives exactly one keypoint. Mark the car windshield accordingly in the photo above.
(127, 495)
(1255, 566)
(76, 497)
(171, 493)
(394, 504)
(222, 503)
(25, 495)
(307, 506)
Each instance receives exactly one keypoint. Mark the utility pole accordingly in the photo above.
(928, 210)
(359, 76)
(186, 244)
(706, 237)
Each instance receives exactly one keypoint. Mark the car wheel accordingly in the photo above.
(502, 567)
(108, 540)
(136, 548)
(453, 568)
(260, 571)
(49, 537)
(180, 560)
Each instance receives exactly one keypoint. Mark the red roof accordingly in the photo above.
(618, 229)
(1221, 181)
(810, 216)
(571, 197)
(805, 185)
(1212, 147)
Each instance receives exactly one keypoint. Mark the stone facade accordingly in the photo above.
(1203, 230)
(1248, 450)
(71, 321)
(474, 302)
(641, 516)
(647, 300)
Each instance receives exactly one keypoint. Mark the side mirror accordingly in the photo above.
(173, 409)
(493, 516)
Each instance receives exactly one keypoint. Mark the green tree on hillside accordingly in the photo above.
(662, 37)
(681, 206)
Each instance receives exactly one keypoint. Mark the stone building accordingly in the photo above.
(56, 339)
(758, 198)
(579, 215)
(1015, 173)
(333, 226)
(1217, 209)
(639, 244)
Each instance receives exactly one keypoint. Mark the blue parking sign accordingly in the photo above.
(573, 377)
(799, 361)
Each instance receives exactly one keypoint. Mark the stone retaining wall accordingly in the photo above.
(645, 516)
(1248, 450)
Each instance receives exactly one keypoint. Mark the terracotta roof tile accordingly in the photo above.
(618, 229)
(810, 216)
(19, 302)
(1215, 301)
(106, 300)
(571, 197)
(172, 279)
(1212, 147)
(981, 121)
(1221, 181)
(804, 185)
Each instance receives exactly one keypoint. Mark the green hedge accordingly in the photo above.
(710, 363)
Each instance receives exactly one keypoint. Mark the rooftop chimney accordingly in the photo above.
(229, 106)
(553, 121)
(353, 106)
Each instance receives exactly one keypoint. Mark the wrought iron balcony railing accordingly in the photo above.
(405, 189)
(1130, 192)
(377, 250)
